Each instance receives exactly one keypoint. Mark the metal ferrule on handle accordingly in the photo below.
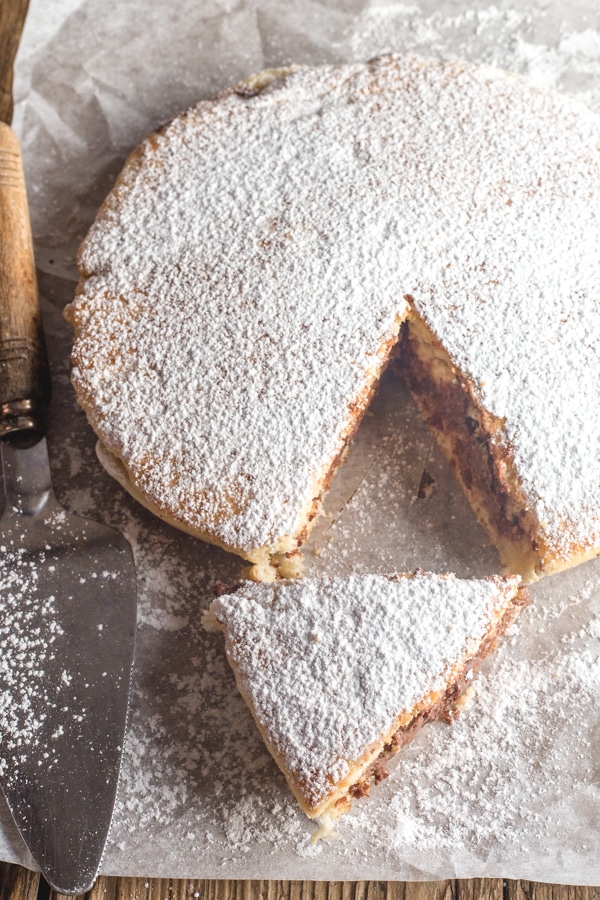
(27, 480)
(24, 374)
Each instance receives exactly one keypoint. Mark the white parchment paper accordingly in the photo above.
(513, 788)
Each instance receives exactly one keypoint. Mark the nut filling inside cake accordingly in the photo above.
(471, 440)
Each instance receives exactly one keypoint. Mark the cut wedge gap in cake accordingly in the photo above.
(340, 673)
(479, 452)
(472, 442)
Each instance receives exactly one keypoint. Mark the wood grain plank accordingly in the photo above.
(334, 890)
(376, 890)
(430, 890)
(396, 890)
(12, 17)
(17, 883)
(535, 890)
(480, 889)
(308, 890)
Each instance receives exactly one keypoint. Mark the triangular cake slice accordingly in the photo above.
(340, 673)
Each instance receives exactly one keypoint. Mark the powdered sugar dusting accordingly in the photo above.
(29, 627)
(328, 666)
(246, 271)
(550, 46)
(87, 109)
(496, 777)
(201, 796)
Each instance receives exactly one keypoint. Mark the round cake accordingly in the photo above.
(261, 256)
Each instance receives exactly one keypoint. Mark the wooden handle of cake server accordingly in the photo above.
(24, 375)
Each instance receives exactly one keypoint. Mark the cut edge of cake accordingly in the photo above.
(281, 557)
(444, 703)
(476, 447)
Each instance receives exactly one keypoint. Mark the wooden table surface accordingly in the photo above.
(17, 883)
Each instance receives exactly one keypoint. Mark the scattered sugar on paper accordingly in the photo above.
(539, 45)
(513, 767)
(499, 777)
(376, 493)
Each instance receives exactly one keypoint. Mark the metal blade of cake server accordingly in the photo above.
(67, 625)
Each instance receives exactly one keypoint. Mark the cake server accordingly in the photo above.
(67, 600)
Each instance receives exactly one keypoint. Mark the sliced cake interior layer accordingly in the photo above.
(340, 673)
(474, 444)
(480, 454)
